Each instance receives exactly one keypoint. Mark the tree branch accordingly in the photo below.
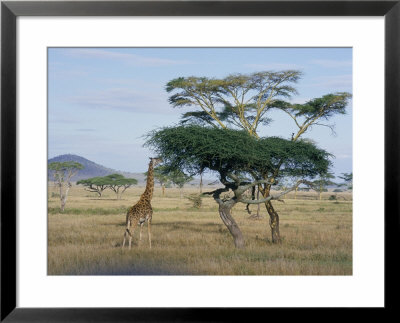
(273, 197)
(244, 188)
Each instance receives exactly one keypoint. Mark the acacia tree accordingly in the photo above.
(320, 185)
(94, 184)
(62, 173)
(237, 158)
(243, 101)
(179, 178)
(348, 180)
(118, 183)
(162, 177)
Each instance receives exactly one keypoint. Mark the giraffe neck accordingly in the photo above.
(148, 192)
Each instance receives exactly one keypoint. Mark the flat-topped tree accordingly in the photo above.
(62, 174)
(118, 183)
(95, 184)
(237, 158)
(321, 184)
(242, 101)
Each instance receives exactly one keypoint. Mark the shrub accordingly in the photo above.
(196, 199)
(332, 198)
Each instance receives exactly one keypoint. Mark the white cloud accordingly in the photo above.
(330, 63)
(132, 59)
(343, 156)
(335, 83)
(124, 99)
(274, 66)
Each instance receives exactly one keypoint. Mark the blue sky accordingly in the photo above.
(102, 101)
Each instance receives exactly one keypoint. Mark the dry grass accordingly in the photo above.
(86, 239)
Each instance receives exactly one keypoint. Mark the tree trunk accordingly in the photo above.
(63, 198)
(273, 218)
(258, 205)
(226, 216)
(201, 183)
(273, 223)
(163, 189)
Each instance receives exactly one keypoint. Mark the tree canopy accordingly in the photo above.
(116, 182)
(194, 148)
(348, 180)
(94, 184)
(241, 100)
(64, 170)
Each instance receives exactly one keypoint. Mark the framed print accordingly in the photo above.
(228, 131)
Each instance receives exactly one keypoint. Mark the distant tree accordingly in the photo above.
(284, 183)
(160, 174)
(320, 185)
(62, 174)
(179, 178)
(118, 183)
(95, 184)
(348, 180)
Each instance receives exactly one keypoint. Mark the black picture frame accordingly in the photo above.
(10, 10)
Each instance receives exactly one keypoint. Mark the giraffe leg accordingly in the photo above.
(131, 234)
(149, 231)
(126, 232)
(123, 243)
(140, 232)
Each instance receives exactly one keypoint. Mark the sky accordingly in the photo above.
(103, 101)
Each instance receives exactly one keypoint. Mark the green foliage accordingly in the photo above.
(179, 178)
(65, 166)
(324, 180)
(332, 198)
(95, 184)
(195, 148)
(63, 171)
(161, 175)
(348, 180)
(98, 181)
(324, 107)
(116, 182)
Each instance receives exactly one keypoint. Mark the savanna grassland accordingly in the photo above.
(86, 239)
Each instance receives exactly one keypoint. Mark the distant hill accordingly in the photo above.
(91, 169)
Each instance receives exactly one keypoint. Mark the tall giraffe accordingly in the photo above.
(142, 210)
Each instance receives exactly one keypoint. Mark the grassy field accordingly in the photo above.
(86, 239)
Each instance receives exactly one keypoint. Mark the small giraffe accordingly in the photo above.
(142, 210)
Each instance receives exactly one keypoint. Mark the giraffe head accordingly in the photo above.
(155, 161)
